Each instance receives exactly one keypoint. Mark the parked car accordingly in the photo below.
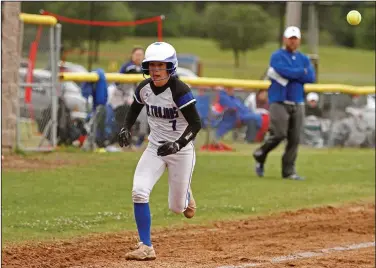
(190, 62)
(184, 72)
(41, 95)
(69, 67)
(66, 66)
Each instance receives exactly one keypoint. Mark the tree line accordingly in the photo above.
(235, 26)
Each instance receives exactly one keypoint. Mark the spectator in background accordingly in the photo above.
(262, 100)
(235, 114)
(258, 103)
(312, 106)
(123, 94)
(133, 66)
(262, 105)
(314, 132)
(126, 91)
(289, 70)
(357, 101)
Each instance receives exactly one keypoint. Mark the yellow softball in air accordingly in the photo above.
(354, 17)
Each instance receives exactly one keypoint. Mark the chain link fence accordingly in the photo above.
(38, 88)
(343, 119)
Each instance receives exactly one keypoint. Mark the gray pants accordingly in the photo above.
(286, 122)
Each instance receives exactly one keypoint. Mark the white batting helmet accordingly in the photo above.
(162, 52)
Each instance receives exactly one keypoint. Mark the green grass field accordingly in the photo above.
(96, 195)
(337, 65)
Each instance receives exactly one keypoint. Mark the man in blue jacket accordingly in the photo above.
(289, 70)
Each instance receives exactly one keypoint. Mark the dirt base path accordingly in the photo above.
(19, 163)
(256, 242)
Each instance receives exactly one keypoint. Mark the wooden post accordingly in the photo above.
(9, 70)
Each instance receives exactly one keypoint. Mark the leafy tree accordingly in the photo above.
(33, 7)
(365, 31)
(142, 10)
(75, 36)
(110, 11)
(239, 27)
(337, 25)
(190, 20)
(344, 34)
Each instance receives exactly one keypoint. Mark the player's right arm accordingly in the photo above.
(131, 116)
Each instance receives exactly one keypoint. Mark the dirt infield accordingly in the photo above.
(233, 243)
(14, 162)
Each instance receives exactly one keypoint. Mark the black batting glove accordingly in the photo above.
(168, 148)
(125, 137)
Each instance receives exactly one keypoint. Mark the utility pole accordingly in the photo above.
(90, 57)
(313, 29)
(293, 14)
(313, 37)
(282, 8)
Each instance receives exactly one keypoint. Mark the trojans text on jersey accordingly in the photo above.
(162, 112)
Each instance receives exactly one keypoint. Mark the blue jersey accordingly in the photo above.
(288, 76)
(130, 68)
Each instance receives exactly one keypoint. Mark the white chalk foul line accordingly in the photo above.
(303, 255)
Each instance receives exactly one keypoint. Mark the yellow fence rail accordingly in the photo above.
(250, 85)
(38, 19)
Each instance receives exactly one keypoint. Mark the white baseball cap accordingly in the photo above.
(292, 31)
(313, 96)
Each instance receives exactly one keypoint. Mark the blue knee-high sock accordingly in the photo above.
(143, 221)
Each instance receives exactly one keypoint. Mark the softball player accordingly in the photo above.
(174, 122)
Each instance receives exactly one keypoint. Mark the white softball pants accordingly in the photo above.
(151, 167)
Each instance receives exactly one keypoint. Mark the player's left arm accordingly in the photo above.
(185, 101)
(190, 114)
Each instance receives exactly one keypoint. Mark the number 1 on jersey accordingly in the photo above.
(173, 124)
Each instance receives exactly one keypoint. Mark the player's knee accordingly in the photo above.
(278, 135)
(140, 195)
(176, 208)
(294, 141)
